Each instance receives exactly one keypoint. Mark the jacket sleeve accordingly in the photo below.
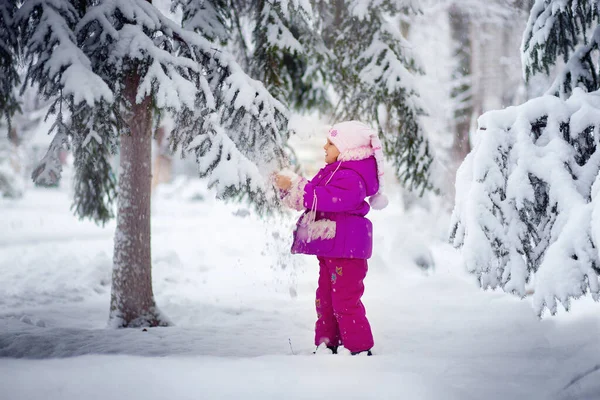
(294, 195)
(345, 192)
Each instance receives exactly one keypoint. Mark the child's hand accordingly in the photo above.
(283, 182)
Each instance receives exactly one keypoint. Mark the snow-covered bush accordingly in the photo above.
(527, 200)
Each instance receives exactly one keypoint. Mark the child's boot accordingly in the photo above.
(325, 349)
(364, 352)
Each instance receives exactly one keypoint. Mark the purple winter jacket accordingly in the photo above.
(334, 223)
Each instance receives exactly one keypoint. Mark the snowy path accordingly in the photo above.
(220, 278)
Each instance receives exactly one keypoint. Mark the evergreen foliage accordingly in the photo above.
(527, 196)
(296, 50)
(304, 51)
(372, 73)
(80, 55)
(567, 30)
(527, 200)
(8, 65)
(276, 45)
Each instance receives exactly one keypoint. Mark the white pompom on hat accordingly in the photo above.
(356, 141)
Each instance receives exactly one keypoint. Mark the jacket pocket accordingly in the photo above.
(315, 237)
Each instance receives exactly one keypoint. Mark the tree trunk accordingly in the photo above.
(462, 91)
(132, 300)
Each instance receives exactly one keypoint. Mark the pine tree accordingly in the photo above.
(567, 30)
(8, 66)
(372, 72)
(108, 67)
(546, 224)
(527, 200)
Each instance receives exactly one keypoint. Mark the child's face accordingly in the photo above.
(331, 152)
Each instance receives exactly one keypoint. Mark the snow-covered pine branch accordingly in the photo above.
(479, 214)
(119, 34)
(222, 163)
(64, 75)
(558, 28)
(274, 41)
(49, 169)
(8, 53)
(255, 122)
(373, 75)
(55, 61)
(84, 63)
(525, 204)
(95, 183)
(210, 18)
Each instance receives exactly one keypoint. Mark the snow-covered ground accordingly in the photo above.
(243, 316)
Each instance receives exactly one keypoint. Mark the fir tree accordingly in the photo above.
(567, 30)
(527, 200)
(8, 65)
(12, 182)
(283, 49)
(545, 224)
(108, 67)
(372, 72)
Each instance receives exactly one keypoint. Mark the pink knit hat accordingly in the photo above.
(357, 141)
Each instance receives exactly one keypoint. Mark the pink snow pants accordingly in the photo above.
(341, 316)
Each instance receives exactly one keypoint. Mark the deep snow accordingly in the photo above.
(243, 314)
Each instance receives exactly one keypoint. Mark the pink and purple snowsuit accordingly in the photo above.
(334, 228)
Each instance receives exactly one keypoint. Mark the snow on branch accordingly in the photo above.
(386, 66)
(278, 35)
(56, 63)
(579, 70)
(190, 77)
(375, 82)
(219, 159)
(254, 121)
(568, 29)
(8, 53)
(49, 169)
(209, 16)
(166, 76)
(525, 204)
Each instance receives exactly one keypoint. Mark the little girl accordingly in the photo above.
(334, 228)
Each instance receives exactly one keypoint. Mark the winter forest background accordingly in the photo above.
(137, 143)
